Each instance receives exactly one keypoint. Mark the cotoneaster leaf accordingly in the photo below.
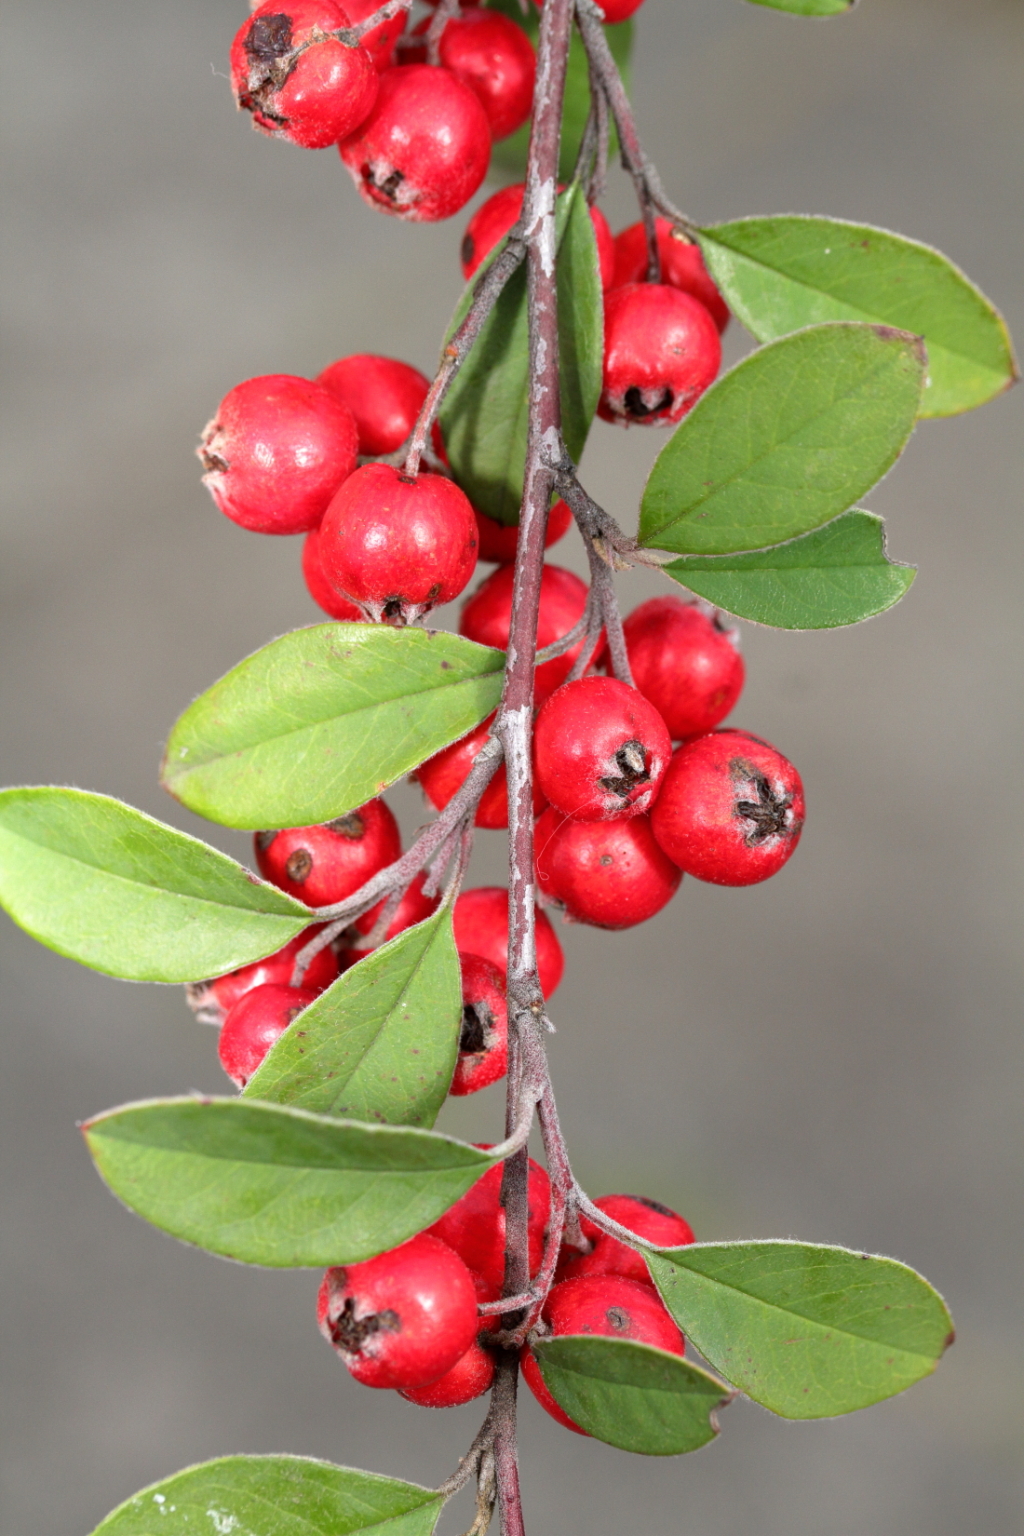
(809, 7)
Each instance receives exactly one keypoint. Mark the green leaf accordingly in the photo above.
(836, 575)
(266, 1184)
(789, 438)
(632, 1395)
(116, 890)
(380, 1044)
(809, 7)
(324, 719)
(807, 1331)
(485, 413)
(780, 274)
(275, 1496)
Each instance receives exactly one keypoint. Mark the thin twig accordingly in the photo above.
(440, 19)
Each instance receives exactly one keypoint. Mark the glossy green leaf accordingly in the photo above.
(485, 413)
(380, 1044)
(275, 1496)
(836, 575)
(784, 442)
(324, 719)
(807, 1331)
(268, 1184)
(780, 274)
(632, 1395)
(116, 890)
(809, 7)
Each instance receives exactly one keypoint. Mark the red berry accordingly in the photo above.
(682, 266)
(601, 750)
(475, 1225)
(402, 1319)
(481, 928)
(467, 1379)
(254, 1023)
(487, 1322)
(380, 41)
(493, 220)
(210, 1000)
(499, 542)
(686, 662)
(606, 1305)
(445, 772)
(383, 394)
(495, 58)
(298, 83)
(487, 618)
(661, 351)
(611, 874)
(276, 452)
(398, 546)
(425, 147)
(483, 1043)
(413, 908)
(609, 1256)
(322, 865)
(614, 10)
(320, 589)
(731, 808)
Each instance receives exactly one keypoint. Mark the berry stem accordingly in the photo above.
(350, 36)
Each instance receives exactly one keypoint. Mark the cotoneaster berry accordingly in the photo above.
(380, 41)
(475, 1225)
(444, 773)
(319, 588)
(468, 1379)
(661, 351)
(610, 874)
(483, 1041)
(493, 220)
(487, 618)
(258, 1019)
(398, 546)
(211, 1000)
(495, 58)
(601, 750)
(682, 265)
(324, 864)
(480, 917)
(610, 1256)
(609, 1306)
(413, 908)
(402, 1319)
(276, 452)
(499, 543)
(731, 809)
(686, 661)
(298, 83)
(424, 149)
(383, 394)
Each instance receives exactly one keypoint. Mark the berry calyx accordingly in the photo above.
(487, 618)
(483, 1041)
(445, 773)
(319, 588)
(682, 265)
(276, 452)
(424, 149)
(403, 1319)
(468, 1378)
(495, 58)
(493, 220)
(324, 864)
(480, 919)
(413, 908)
(731, 809)
(298, 82)
(610, 874)
(211, 1000)
(686, 661)
(610, 1256)
(398, 547)
(661, 351)
(384, 396)
(602, 750)
(475, 1225)
(258, 1019)
(498, 542)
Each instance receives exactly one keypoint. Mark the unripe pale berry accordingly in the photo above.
(682, 265)
(495, 58)
(211, 1000)
(320, 589)
(480, 918)
(498, 542)
(258, 1019)
(445, 773)
(661, 351)
(686, 661)
(609, 1256)
(611, 874)
(468, 1379)
(397, 546)
(424, 149)
(380, 41)
(475, 1225)
(383, 394)
(493, 220)
(487, 618)
(483, 1042)
(601, 750)
(298, 83)
(403, 1319)
(324, 864)
(731, 808)
(276, 452)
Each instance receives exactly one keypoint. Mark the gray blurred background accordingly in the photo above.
(834, 1056)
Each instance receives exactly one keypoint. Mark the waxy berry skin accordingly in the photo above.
(276, 452)
(493, 220)
(424, 149)
(255, 1023)
(319, 588)
(383, 394)
(682, 266)
(380, 42)
(210, 1001)
(609, 1306)
(614, 10)
(495, 58)
(609, 1256)
(480, 918)
(468, 1379)
(602, 750)
(731, 809)
(610, 874)
(498, 543)
(487, 618)
(661, 351)
(475, 1225)
(324, 864)
(483, 1042)
(402, 1319)
(445, 773)
(316, 97)
(413, 908)
(686, 661)
(398, 547)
